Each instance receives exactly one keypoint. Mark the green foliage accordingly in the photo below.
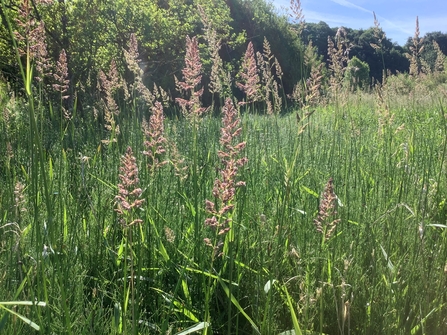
(115, 235)
(357, 73)
(318, 33)
(430, 54)
(98, 275)
(363, 42)
(380, 57)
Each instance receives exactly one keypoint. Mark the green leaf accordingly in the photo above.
(296, 325)
(23, 318)
(308, 190)
(437, 225)
(24, 303)
(193, 329)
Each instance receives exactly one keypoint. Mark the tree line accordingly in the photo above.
(94, 33)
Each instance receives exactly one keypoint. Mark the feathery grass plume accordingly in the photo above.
(440, 58)
(313, 96)
(224, 189)
(109, 84)
(161, 95)
(326, 221)
(133, 64)
(61, 80)
(338, 54)
(416, 51)
(191, 107)
(298, 94)
(425, 67)
(114, 77)
(169, 234)
(155, 141)
(385, 117)
(218, 77)
(177, 161)
(266, 79)
(277, 100)
(278, 69)
(269, 66)
(379, 35)
(39, 49)
(308, 93)
(61, 74)
(9, 153)
(26, 24)
(249, 76)
(145, 93)
(31, 39)
(127, 200)
(297, 16)
(313, 83)
(109, 106)
(132, 56)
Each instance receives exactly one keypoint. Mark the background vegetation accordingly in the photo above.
(171, 167)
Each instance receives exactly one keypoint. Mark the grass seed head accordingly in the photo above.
(128, 191)
(224, 189)
(192, 77)
(155, 142)
(326, 223)
(249, 76)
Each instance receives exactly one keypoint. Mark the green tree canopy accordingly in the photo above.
(357, 73)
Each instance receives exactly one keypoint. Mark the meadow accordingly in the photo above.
(326, 216)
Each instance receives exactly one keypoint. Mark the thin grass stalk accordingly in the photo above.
(128, 202)
(37, 159)
(298, 18)
(380, 36)
(222, 209)
(195, 182)
(192, 110)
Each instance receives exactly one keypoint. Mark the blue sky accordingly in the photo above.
(397, 17)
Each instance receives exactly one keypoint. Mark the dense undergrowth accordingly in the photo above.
(328, 217)
(373, 262)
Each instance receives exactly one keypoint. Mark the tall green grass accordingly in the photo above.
(382, 271)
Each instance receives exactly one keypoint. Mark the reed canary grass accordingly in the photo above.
(326, 221)
(218, 85)
(415, 51)
(249, 81)
(224, 189)
(440, 58)
(155, 142)
(128, 198)
(192, 76)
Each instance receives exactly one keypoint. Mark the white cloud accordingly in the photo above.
(398, 31)
(337, 20)
(398, 26)
(401, 26)
(405, 27)
(351, 5)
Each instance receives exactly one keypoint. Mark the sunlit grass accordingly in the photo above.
(337, 223)
(382, 271)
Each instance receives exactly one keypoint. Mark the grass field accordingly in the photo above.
(338, 228)
(324, 217)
